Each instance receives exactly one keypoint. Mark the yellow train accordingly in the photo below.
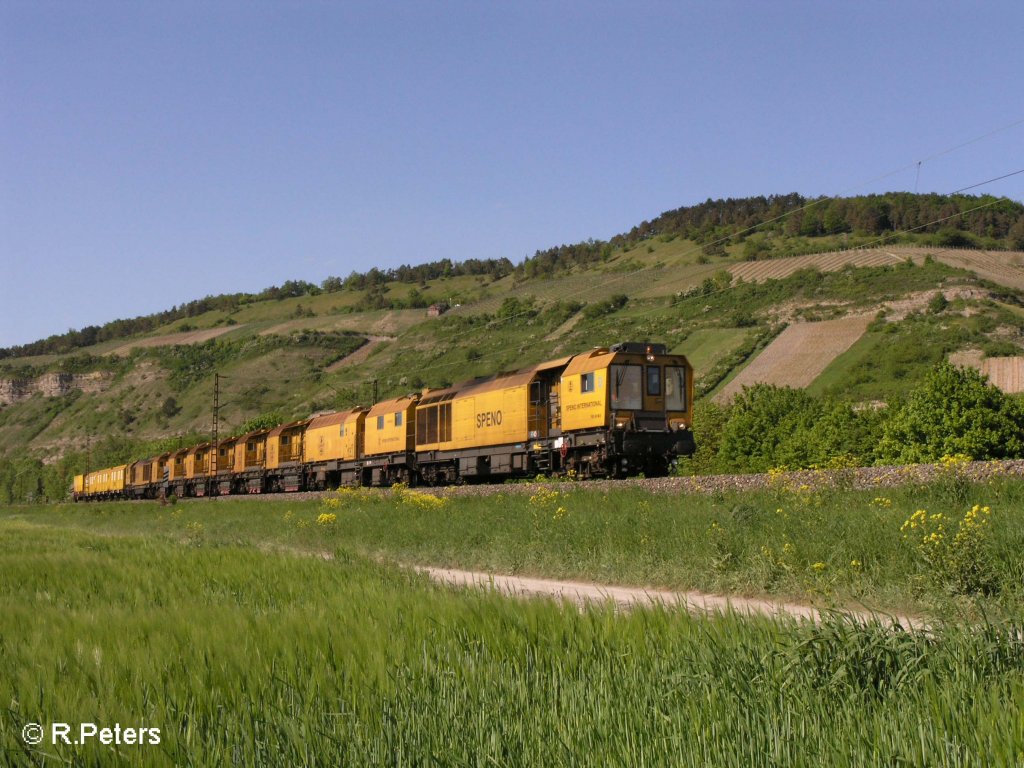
(608, 412)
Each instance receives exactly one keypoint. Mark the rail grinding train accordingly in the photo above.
(608, 412)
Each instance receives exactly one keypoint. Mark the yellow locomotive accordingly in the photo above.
(609, 412)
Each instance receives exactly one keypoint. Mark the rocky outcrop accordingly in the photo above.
(52, 385)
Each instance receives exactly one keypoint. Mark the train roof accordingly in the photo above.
(502, 380)
(331, 419)
(280, 428)
(392, 405)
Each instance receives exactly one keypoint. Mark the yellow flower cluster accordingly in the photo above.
(920, 519)
(326, 518)
(549, 501)
(977, 515)
(819, 567)
(545, 498)
(955, 460)
(881, 501)
(417, 499)
(973, 524)
(956, 557)
(348, 494)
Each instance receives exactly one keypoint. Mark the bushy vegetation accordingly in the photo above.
(952, 411)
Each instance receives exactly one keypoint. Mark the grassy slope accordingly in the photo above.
(466, 343)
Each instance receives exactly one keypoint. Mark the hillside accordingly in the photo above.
(304, 348)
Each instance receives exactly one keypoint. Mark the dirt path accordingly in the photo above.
(372, 342)
(582, 593)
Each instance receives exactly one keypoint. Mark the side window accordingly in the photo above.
(380, 422)
(398, 419)
(653, 380)
(586, 382)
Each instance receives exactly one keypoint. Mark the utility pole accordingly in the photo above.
(216, 413)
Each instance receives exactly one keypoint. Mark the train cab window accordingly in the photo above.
(250, 446)
(285, 439)
(653, 380)
(675, 388)
(398, 419)
(586, 382)
(380, 422)
(626, 387)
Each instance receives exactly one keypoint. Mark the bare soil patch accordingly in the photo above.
(1003, 267)
(799, 354)
(1006, 373)
(174, 339)
(776, 269)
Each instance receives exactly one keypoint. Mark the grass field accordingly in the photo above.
(243, 656)
(706, 346)
(834, 548)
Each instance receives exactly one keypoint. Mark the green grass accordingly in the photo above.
(892, 358)
(240, 656)
(833, 548)
(704, 347)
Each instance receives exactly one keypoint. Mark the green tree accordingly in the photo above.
(263, 421)
(762, 420)
(708, 421)
(954, 410)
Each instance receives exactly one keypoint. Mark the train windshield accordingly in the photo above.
(675, 388)
(627, 387)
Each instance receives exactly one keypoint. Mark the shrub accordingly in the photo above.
(953, 411)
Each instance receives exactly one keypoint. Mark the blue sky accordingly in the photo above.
(152, 153)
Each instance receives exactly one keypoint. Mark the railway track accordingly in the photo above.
(856, 478)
